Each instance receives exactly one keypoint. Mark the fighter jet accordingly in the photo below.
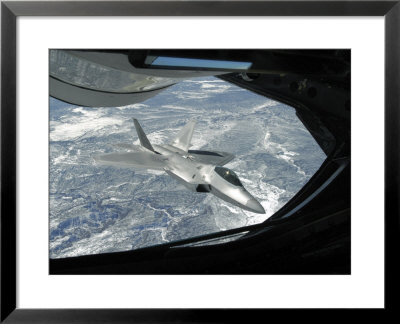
(199, 171)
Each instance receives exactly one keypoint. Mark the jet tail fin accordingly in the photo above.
(144, 141)
(184, 137)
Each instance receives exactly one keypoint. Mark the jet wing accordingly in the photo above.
(211, 157)
(144, 160)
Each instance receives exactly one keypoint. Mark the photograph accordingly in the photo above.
(199, 161)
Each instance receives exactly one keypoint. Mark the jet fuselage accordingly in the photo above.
(203, 177)
(200, 171)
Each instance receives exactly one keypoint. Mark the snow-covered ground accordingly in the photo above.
(96, 209)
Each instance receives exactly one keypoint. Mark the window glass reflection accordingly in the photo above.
(228, 175)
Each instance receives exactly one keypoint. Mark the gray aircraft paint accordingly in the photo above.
(196, 170)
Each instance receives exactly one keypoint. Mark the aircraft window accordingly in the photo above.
(196, 63)
(100, 209)
(229, 176)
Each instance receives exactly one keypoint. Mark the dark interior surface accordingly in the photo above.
(311, 233)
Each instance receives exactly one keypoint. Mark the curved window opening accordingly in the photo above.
(100, 209)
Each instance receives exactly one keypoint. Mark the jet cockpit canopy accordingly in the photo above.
(228, 175)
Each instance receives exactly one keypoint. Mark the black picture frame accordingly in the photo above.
(10, 10)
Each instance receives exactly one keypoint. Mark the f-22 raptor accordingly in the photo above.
(199, 171)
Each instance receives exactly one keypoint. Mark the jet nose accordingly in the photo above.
(254, 206)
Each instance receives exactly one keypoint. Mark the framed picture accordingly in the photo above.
(192, 257)
(210, 163)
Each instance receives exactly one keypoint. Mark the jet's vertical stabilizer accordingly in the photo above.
(184, 137)
(144, 141)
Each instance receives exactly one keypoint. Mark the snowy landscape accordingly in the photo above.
(97, 209)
